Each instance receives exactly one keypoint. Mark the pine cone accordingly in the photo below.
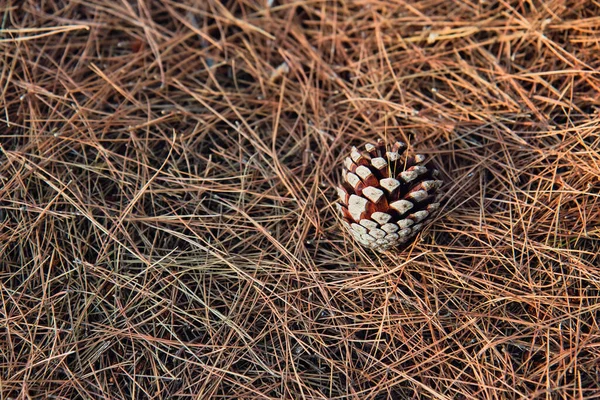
(386, 199)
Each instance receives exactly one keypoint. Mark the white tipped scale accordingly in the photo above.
(346, 225)
(381, 217)
(354, 233)
(353, 180)
(399, 147)
(393, 156)
(405, 223)
(409, 176)
(363, 172)
(419, 215)
(390, 228)
(361, 230)
(428, 185)
(356, 156)
(363, 242)
(401, 206)
(383, 243)
(343, 195)
(418, 195)
(417, 227)
(419, 169)
(389, 184)
(348, 164)
(372, 193)
(404, 232)
(369, 147)
(366, 175)
(377, 233)
(356, 206)
(433, 207)
(392, 237)
(435, 173)
(379, 163)
(419, 158)
(369, 224)
(367, 238)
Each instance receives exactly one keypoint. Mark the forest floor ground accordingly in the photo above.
(167, 192)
